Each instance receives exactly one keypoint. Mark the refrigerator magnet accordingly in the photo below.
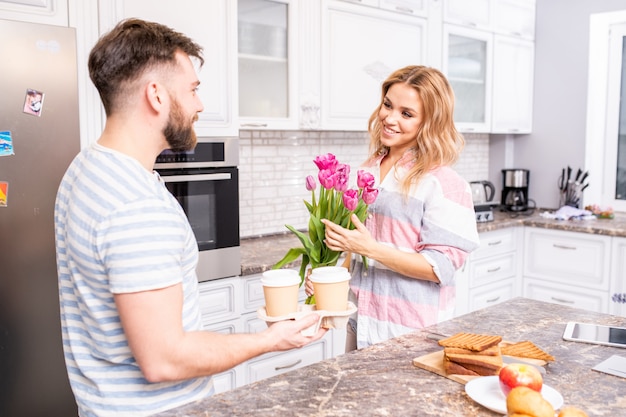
(4, 193)
(6, 144)
(33, 102)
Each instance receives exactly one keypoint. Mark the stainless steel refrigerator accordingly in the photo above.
(39, 136)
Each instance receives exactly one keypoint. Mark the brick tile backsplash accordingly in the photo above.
(273, 166)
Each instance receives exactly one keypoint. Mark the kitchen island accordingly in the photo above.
(382, 381)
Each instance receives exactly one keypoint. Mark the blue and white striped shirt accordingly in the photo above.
(119, 230)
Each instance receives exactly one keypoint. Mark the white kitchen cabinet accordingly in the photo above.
(476, 14)
(220, 300)
(568, 268)
(617, 287)
(268, 59)
(361, 46)
(233, 377)
(513, 75)
(515, 18)
(213, 25)
(492, 273)
(570, 258)
(50, 12)
(568, 295)
(468, 65)
(276, 363)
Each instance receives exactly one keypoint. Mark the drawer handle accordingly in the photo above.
(497, 242)
(493, 300)
(564, 247)
(560, 300)
(494, 269)
(278, 368)
(404, 9)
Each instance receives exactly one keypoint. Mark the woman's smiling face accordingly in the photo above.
(401, 117)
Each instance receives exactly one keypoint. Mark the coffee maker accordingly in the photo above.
(515, 189)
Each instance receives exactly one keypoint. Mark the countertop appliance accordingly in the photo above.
(39, 136)
(205, 181)
(482, 197)
(515, 189)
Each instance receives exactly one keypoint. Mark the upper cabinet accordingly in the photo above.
(488, 56)
(361, 46)
(515, 18)
(319, 64)
(50, 12)
(212, 25)
(267, 61)
(468, 66)
(513, 71)
(477, 14)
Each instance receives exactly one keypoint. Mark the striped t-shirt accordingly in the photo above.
(119, 230)
(438, 221)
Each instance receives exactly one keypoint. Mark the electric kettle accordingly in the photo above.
(482, 192)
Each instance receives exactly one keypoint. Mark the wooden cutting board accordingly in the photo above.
(433, 362)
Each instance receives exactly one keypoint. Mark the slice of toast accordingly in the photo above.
(458, 369)
(484, 361)
(526, 349)
(470, 341)
(491, 351)
(482, 371)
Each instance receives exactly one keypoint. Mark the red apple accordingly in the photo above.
(519, 374)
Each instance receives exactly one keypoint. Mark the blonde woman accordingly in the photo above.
(422, 226)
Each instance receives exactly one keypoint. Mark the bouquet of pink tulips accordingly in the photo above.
(336, 203)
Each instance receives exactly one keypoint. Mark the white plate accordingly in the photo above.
(486, 392)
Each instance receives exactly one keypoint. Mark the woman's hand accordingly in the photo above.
(357, 241)
(308, 284)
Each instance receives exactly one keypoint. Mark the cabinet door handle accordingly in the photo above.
(564, 246)
(278, 368)
(493, 300)
(494, 243)
(560, 300)
(496, 269)
(254, 125)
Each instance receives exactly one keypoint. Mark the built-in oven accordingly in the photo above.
(205, 181)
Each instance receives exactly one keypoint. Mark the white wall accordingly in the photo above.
(560, 95)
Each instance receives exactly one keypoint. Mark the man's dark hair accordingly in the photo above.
(128, 50)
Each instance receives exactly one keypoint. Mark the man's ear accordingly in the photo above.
(156, 96)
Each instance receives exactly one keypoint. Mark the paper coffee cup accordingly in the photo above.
(280, 288)
(330, 285)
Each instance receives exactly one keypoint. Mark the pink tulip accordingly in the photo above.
(364, 179)
(327, 161)
(350, 199)
(369, 195)
(327, 178)
(311, 185)
(341, 177)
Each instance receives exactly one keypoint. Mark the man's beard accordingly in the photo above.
(180, 134)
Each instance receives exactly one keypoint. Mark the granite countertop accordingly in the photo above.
(258, 254)
(381, 380)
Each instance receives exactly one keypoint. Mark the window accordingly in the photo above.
(605, 151)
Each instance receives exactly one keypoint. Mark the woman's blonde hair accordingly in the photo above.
(437, 143)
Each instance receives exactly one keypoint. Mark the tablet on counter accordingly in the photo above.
(595, 334)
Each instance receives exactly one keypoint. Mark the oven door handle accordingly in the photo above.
(198, 177)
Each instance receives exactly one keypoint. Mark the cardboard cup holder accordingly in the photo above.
(328, 319)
